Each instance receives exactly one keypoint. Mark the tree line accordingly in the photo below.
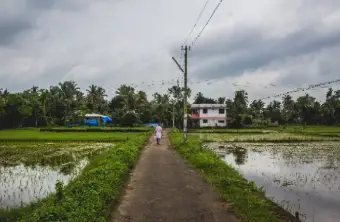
(304, 110)
(65, 103)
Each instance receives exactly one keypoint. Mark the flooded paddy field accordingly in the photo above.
(303, 177)
(259, 137)
(31, 135)
(29, 171)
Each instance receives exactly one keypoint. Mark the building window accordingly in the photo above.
(205, 121)
(221, 111)
(194, 111)
(221, 121)
(205, 111)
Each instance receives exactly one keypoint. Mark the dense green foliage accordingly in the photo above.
(248, 202)
(67, 104)
(305, 110)
(31, 135)
(90, 196)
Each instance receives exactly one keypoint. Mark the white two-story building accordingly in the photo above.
(209, 115)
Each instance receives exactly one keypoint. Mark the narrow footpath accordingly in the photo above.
(163, 188)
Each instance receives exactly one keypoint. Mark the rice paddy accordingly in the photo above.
(30, 171)
(57, 176)
(20, 185)
(50, 153)
(303, 178)
(262, 137)
(30, 135)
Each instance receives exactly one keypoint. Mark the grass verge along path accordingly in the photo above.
(29, 135)
(91, 195)
(163, 188)
(248, 202)
(98, 129)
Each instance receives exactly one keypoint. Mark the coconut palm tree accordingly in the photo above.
(68, 92)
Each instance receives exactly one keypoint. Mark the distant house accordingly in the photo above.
(93, 119)
(209, 115)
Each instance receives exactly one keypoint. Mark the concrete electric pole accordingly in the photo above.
(185, 106)
(173, 115)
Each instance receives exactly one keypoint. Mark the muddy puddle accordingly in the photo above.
(303, 178)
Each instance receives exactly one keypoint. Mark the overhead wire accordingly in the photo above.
(310, 87)
(197, 20)
(181, 59)
(213, 13)
(321, 85)
(171, 82)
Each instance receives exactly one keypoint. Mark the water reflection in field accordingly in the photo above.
(303, 177)
(20, 185)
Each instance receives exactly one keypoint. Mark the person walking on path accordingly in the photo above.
(158, 133)
(164, 188)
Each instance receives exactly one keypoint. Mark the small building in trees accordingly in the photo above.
(209, 115)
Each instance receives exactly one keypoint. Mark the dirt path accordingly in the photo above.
(164, 188)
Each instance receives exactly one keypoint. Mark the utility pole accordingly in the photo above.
(185, 71)
(173, 115)
(185, 119)
(173, 105)
(179, 66)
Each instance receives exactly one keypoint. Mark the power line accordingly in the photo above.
(207, 82)
(200, 33)
(302, 89)
(199, 16)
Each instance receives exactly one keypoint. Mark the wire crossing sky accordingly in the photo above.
(213, 13)
(287, 43)
(199, 16)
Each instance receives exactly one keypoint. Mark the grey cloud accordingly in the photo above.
(38, 4)
(256, 50)
(56, 4)
(53, 74)
(12, 24)
(322, 67)
(49, 58)
(10, 28)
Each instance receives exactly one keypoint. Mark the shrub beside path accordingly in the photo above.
(163, 188)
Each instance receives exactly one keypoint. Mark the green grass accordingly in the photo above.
(248, 202)
(231, 131)
(36, 135)
(265, 137)
(309, 129)
(283, 128)
(48, 154)
(91, 195)
(96, 129)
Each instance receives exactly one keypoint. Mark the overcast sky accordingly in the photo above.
(264, 46)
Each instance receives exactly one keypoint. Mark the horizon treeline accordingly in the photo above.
(65, 104)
